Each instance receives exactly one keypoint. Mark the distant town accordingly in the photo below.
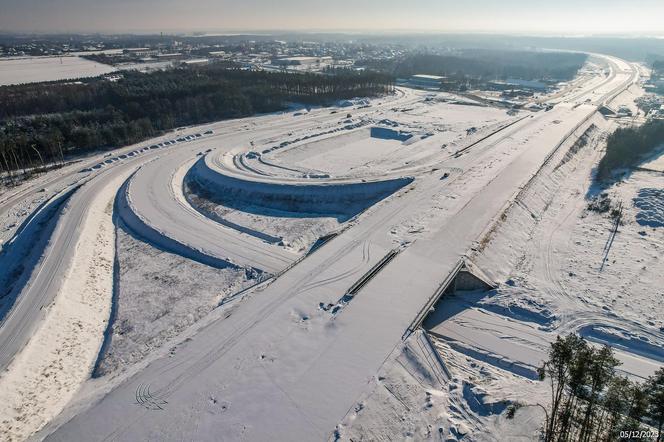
(266, 53)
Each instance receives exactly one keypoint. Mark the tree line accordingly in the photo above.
(627, 147)
(658, 67)
(47, 122)
(658, 72)
(485, 65)
(591, 402)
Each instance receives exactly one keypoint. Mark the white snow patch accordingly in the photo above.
(37, 69)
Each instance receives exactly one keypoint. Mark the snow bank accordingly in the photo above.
(501, 247)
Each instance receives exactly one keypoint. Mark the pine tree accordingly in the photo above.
(616, 407)
(655, 397)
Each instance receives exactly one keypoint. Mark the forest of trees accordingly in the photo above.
(591, 402)
(658, 72)
(627, 147)
(42, 123)
(484, 65)
(658, 67)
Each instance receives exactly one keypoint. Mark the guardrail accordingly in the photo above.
(439, 358)
(424, 311)
(476, 142)
(373, 271)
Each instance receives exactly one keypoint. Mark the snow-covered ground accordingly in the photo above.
(561, 268)
(297, 232)
(20, 70)
(413, 134)
(656, 163)
(415, 397)
(586, 273)
(156, 296)
(347, 150)
(248, 369)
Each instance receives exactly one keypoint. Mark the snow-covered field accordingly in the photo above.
(21, 70)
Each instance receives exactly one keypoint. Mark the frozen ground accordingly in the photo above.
(266, 359)
(575, 261)
(416, 398)
(621, 274)
(414, 139)
(36, 69)
(156, 296)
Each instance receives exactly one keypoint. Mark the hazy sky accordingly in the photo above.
(514, 16)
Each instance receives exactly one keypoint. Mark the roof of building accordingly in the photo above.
(300, 58)
(427, 77)
(196, 61)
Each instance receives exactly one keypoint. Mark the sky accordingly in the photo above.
(559, 17)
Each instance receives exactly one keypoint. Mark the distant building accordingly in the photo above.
(196, 61)
(139, 52)
(526, 84)
(426, 81)
(300, 61)
(169, 56)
